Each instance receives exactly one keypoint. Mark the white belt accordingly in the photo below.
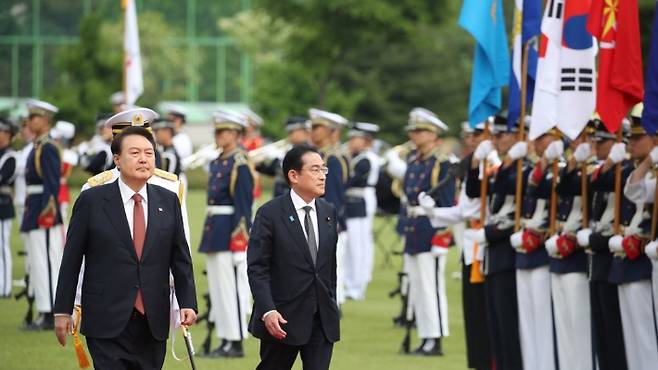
(355, 192)
(7, 190)
(219, 210)
(34, 189)
(416, 211)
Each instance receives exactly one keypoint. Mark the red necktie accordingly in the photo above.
(139, 234)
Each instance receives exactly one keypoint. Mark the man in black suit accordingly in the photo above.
(131, 235)
(292, 269)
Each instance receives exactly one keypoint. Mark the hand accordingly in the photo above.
(427, 202)
(614, 243)
(551, 246)
(582, 153)
(554, 150)
(438, 251)
(583, 237)
(518, 150)
(617, 153)
(516, 239)
(654, 155)
(63, 327)
(651, 250)
(273, 323)
(187, 317)
(483, 150)
(480, 237)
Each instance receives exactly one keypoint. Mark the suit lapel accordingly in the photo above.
(114, 209)
(153, 203)
(294, 226)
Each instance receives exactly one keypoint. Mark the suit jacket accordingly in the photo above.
(99, 231)
(282, 276)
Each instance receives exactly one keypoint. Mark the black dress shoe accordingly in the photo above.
(44, 322)
(429, 349)
(233, 350)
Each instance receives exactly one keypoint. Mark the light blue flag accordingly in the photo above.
(484, 20)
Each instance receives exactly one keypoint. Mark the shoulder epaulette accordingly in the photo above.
(241, 158)
(100, 179)
(165, 175)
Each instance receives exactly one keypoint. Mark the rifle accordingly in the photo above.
(210, 326)
(29, 315)
(400, 319)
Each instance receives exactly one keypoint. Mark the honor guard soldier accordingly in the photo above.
(142, 117)
(8, 159)
(323, 133)
(568, 262)
(631, 268)
(499, 258)
(297, 130)
(181, 141)
(42, 218)
(604, 299)
(63, 134)
(360, 208)
(225, 233)
(427, 247)
(533, 289)
(163, 131)
(467, 212)
(96, 155)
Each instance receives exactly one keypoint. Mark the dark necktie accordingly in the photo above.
(308, 225)
(139, 234)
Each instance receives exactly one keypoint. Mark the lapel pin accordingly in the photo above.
(292, 219)
(328, 219)
(159, 209)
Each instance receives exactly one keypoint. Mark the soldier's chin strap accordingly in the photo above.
(83, 360)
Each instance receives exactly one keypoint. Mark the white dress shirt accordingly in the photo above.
(129, 203)
(299, 205)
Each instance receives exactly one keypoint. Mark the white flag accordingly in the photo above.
(132, 59)
(577, 98)
(547, 83)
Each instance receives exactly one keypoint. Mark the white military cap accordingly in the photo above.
(177, 110)
(320, 117)
(363, 129)
(423, 119)
(466, 128)
(142, 117)
(8, 125)
(253, 118)
(41, 108)
(118, 98)
(64, 130)
(227, 119)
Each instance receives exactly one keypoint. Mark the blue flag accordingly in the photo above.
(527, 26)
(484, 20)
(650, 112)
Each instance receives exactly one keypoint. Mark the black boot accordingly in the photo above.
(429, 347)
(235, 349)
(45, 321)
(216, 352)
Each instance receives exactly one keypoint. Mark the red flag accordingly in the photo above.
(620, 82)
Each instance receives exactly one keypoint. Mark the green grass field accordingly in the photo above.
(369, 339)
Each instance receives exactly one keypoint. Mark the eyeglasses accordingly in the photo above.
(318, 170)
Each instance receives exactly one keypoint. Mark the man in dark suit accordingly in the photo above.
(292, 269)
(131, 235)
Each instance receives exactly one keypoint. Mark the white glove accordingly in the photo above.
(438, 251)
(654, 155)
(551, 246)
(516, 239)
(614, 243)
(651, 250)
(483, 150)
(554, 150)
(238, 257)
(427, 202)
(617, 152)
(583, 237)
(518, 150)
(480, 237)
(582, 152)
(480, 254)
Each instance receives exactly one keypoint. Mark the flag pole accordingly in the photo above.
(584, 194)
(124, 87)
(522, 114)
(617, 188)
(654, 218)
(553, 215)
(476, 271)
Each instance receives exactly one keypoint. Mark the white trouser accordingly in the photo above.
(5, 257)
(654, 284)
(341, 247)
(359, 257)
(45, 259)
(64, 210)
(427, 289)
(229, 293)
(573, 324)
(638, 324)
(533, 290)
